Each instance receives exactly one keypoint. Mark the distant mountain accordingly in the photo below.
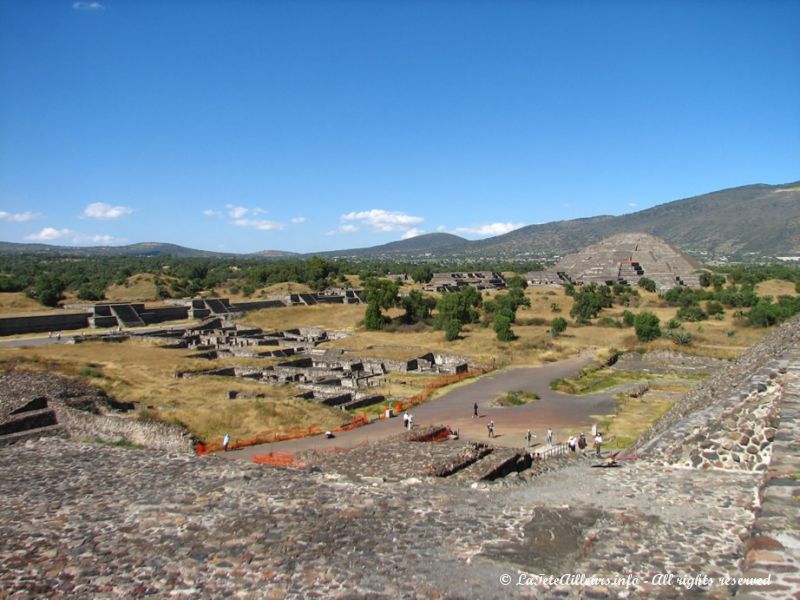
(750, 221)
(742, 223)
(141, 249)
(421, 246)
(273, 254)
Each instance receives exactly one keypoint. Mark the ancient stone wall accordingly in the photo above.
(736, 379)
(110, 428)
(43, 323)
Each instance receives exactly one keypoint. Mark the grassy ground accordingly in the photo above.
(634, 415)
(137, 371)
(593, 379)
(137, 288)
(516, 398)
(140, 372)
(775, 288)
(18, 304)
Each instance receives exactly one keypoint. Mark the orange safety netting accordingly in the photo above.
(433, 386)
(203, 448)
(357, 420)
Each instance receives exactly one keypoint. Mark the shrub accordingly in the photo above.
(673, 324)
(452, 329)
(692, 313)
(646, 325)
(681, 337)
(558, 326)
(627, 318)
(502, 328)
(373, 319)
(647, 284)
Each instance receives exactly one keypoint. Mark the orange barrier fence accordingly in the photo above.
(203, 448)
(357, 420)
(435, 385)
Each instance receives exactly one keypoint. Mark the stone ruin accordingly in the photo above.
(137, 314)
(327, 376)
(623, 258)
(453, 282)
(35, 404)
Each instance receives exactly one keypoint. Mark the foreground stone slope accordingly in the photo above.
(86, 520)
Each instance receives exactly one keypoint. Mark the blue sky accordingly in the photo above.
(243, 126)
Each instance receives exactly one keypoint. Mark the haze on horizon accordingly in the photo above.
(308, 125)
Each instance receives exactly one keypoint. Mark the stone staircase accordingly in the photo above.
(34, 419)
(126, 315)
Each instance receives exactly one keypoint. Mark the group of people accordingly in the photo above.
(579, 442)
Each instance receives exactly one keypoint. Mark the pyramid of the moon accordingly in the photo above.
(626, 258)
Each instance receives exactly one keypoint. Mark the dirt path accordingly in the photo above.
(564, 413)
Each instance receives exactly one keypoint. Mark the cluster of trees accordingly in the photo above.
(47, 278)
(456, 309)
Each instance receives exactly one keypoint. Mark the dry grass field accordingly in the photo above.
(17, 303)
(775, 288)
(137, 371)
(140, 372)
(137, 288)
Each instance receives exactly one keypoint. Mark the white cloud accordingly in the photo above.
(87, 6)
(633, 204)
(413, 232)
(18, 217)
(259, 224)
(101, 210)
(51, 234)
(347, 228)
(490, 228)
(212, 213)
(48, 234)
(382, 220)
(236, 212)
(298, 219)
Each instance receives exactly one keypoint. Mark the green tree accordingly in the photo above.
(627, 318)
(558, 326)
(461, 306)
(452, 329)
(646, 325)
(517, 281)
(379, 294)
(417, 306)
(373, 319)
(422, 274)
(589, 301)
(502, 328)
(647, 284)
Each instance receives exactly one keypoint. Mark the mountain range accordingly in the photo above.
(750, 222)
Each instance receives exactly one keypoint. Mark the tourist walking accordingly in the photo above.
(490, 427)
(410, 422)
(572, 443)
(405, 420)
(475, 411)
(529, 437)
(582, 442)
(226, 441)
(598, 442)
(549, 437)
